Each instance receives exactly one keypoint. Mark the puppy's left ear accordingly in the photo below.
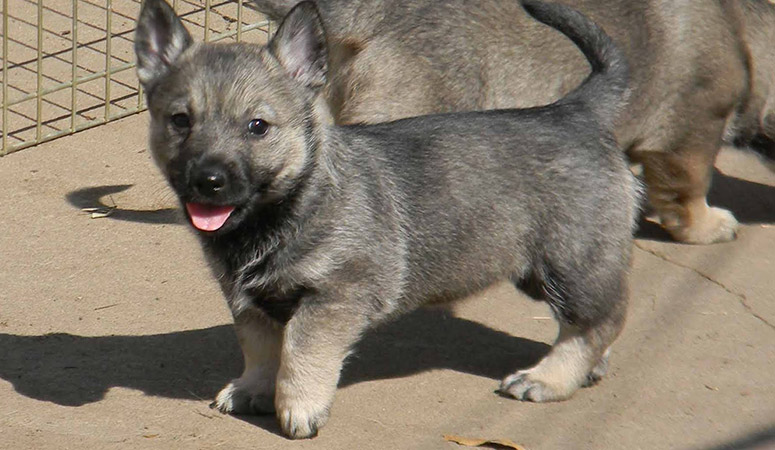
(300, 46)
(160, 39)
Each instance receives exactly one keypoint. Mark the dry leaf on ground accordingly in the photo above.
(493, 443)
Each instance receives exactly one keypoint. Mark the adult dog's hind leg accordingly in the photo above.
(253, 392)
(678, 183)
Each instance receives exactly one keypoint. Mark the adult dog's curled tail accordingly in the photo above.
(275, 9)
(605, 90)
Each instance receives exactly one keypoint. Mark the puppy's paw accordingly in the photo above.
(598, 372)
(239, 398)
(708, 226)
(300, 420)
(526, 385)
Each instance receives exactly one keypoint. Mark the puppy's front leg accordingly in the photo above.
(253, 393)
(316, 341)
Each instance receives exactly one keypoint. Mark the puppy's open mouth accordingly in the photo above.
(208, 217)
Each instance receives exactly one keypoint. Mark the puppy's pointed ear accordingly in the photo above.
(300, 46)
(160, 39)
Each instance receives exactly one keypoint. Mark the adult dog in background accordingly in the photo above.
(315, 232)
(700, 69)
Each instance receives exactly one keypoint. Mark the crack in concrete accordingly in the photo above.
(741, 297)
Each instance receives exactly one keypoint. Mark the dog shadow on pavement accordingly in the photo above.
(752, 203)
(74, 370)
(95, 198)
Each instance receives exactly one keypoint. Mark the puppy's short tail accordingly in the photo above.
(275, 9)
(605, 90)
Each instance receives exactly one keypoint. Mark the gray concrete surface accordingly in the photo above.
(114, 335)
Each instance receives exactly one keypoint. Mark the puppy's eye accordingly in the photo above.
(180, 120)
(258, 127)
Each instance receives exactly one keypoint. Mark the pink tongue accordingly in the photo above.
(208, 218)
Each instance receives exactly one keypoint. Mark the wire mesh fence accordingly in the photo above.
(68, 65)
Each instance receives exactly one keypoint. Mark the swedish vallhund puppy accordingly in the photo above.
(316, 232)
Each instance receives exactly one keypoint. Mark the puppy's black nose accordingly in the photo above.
(209, 182)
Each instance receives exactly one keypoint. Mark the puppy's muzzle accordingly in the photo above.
(212, 181)
(209, 182)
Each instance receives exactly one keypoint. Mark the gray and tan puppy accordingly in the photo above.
(316, 231)
(699, 69)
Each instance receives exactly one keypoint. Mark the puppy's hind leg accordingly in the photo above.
(253, 392)
(579, 356)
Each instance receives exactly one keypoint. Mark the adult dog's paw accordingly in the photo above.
(708, 225)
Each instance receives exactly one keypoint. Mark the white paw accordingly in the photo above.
(525, 385)
(240, 397)
(301, 420)
(553, 379)
(713, 225)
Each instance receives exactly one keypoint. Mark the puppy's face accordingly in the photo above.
(232, 127)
